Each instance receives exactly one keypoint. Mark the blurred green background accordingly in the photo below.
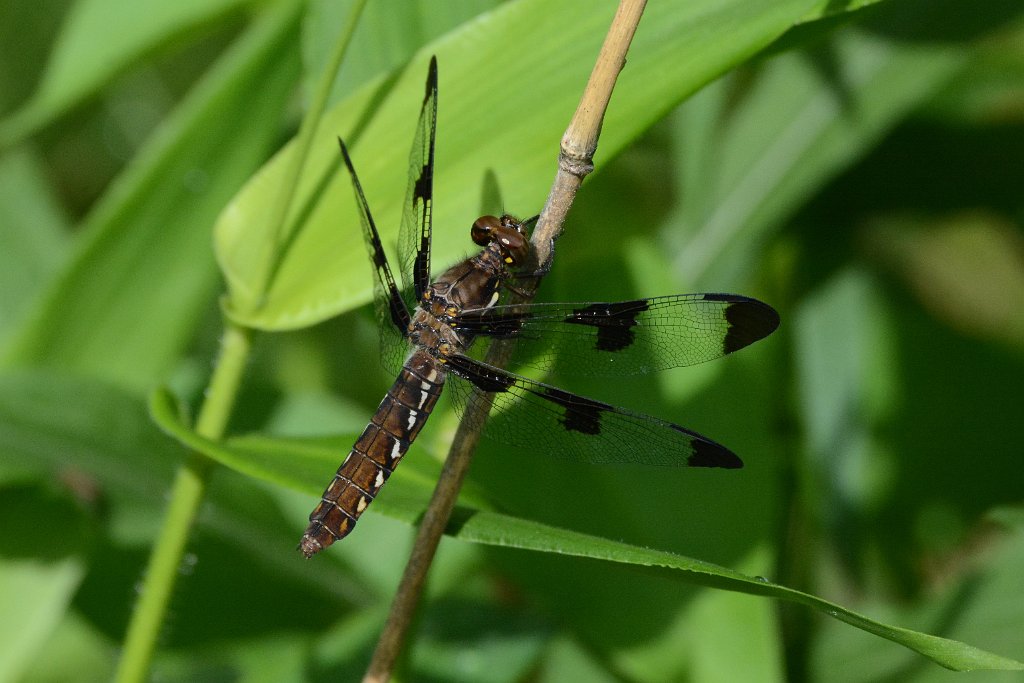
(858, 165)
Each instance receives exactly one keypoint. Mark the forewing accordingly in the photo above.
(414, 236)
(392, 312)
(626, 337)
(543, 418)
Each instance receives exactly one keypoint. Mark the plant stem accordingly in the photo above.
(191, 479)
(186, 496)
(428, 536)
(575, 162)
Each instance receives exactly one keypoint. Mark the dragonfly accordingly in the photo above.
(428, 329)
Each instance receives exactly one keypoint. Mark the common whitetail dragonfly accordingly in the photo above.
(439, 320)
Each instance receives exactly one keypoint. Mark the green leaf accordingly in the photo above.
(84, 654)
(494, 113)
(845, 375)
(35, 588)
(750, 161)
(969, 605)
(49, 421)
(32, 230)
(293, 462)
(386, 38)
(304, 464)
(254, 456)
(34, 597)
(87, 53)
(500, 530)
(65, 431)
(129, 301)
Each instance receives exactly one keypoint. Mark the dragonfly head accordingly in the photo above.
(506, 233)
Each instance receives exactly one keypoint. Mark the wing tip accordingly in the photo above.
(431, 78)
(345, 155)
(749, 321)
(710, 454)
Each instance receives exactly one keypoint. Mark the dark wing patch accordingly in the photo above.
(543, 418)
(707, 453)
(613, 322)
(627, 337)
(749, 321)
(414, 235)
(580, 414)
(483, 376)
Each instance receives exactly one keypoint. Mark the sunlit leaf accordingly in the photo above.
(494, 113)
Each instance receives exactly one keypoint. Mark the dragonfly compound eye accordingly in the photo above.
(483, 229)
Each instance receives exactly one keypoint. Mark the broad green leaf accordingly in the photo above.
(495, 529)
(969, 605)
(36, 584)
(32, 232)
(57, 428)
(254, 456)
(822, 21)
(845, 374)
(568, 660)
(50, 421)
(385, 40)
(496, 113)
(23, 51)
(129, 300)
(85, 654)
(459, 641)
(288, 461)
(309, 461)
(99, 39)
(34, 596)
(750, 163)
(833, 9)
(717, 620)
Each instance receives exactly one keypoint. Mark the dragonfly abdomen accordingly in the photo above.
(376, 453)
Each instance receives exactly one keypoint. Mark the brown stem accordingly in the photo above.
(575, 162)
(579, 143)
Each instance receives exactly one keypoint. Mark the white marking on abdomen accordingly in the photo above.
(412, 420)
